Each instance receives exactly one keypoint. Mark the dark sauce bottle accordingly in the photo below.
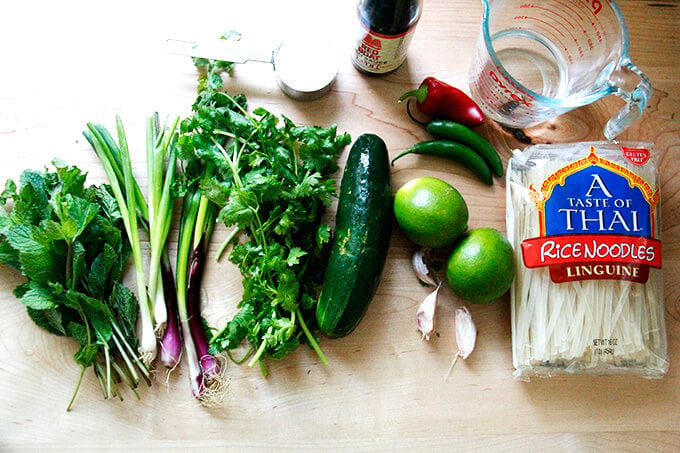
(386, 28)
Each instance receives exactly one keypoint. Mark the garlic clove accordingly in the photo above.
(466, 332)
(421, 269)
(466, 336)
(426, 312)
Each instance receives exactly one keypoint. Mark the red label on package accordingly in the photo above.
(637, 156)
(567, 249)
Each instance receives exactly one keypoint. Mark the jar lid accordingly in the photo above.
(305, 68)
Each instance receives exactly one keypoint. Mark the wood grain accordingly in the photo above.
(384, 388)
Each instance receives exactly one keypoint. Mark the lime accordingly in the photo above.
(430, 212)
(481, 266)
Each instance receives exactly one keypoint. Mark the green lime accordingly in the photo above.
(481, 266)
(430, 212)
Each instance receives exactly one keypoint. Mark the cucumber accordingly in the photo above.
(362, 237)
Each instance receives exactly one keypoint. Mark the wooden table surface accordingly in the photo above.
(67, 63)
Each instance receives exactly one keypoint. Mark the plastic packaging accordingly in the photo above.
(588, 294)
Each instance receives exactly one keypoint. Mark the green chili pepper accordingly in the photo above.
(457, 132)
(454, 151)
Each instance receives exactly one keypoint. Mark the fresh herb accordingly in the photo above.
(272, 181)
(69, 241)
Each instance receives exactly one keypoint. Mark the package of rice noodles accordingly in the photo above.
(588, 294)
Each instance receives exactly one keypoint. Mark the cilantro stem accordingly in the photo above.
(231, 161)
(242, 359)
(260, 349)
(235, 137)
(226, 242)
(312, 341)
(241, 109)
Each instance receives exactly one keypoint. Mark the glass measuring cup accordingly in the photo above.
(537, 59)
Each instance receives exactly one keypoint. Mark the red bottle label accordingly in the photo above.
(377, 53)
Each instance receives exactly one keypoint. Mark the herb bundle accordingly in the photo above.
(272, 182)
(69, 241)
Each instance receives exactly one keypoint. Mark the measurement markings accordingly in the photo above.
(568, 7)
(541, 21)
(585, 6)
(563, 19)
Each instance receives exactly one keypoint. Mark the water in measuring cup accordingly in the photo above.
(533, 61)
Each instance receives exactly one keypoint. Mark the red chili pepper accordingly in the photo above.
(444, 101)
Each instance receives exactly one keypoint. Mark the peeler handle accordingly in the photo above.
(220, 49)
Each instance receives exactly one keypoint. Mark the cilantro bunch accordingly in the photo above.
(68, 240)
(272, 181)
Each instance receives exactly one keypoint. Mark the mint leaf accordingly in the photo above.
(50, 320)
(78, 332)
(96, 312)
(108, 203)
(71, 178)
(98, 275)
(42, 266)
(67, 239)
(66, 230)
(81, 211)
(86, 355)
(79, 267)
(8, 255)
(37, 297)
(22, 239)
(8, 193)
(124, 304)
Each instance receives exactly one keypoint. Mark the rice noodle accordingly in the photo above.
(563, 319)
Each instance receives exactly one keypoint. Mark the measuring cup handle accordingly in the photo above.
(631, 85)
